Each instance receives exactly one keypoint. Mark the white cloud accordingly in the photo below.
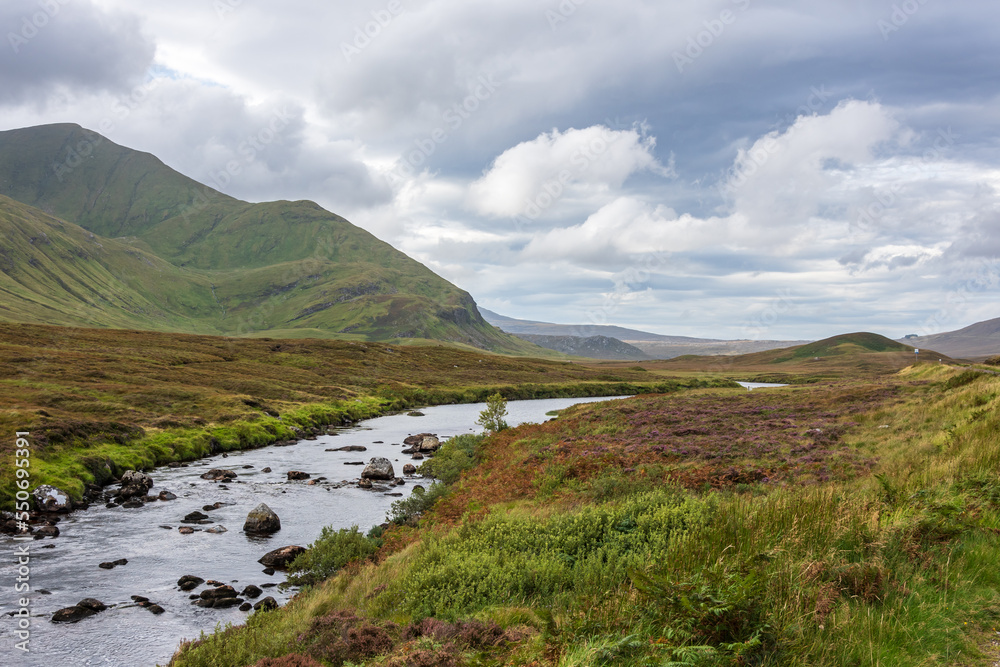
(534, 175)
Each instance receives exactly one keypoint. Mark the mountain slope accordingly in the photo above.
(279, 267)
(978, 340)
(594, 347)
(55, 272)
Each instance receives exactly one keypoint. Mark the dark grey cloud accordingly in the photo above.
(68, 44)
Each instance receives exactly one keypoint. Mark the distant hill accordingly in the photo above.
(594, 347)
(655, 346)
(122, 240)
(515, 326)
(975, 341)
(846, 353)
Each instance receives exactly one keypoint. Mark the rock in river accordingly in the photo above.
(297, 474)
(135, 484)
(280, 558)
(262, 521)
(378, 468)
(219, 475)
(266, 604)
(92, 604)
(50, 499)
(71, 614)
(189, 581)
(251, 591)
(409, 469)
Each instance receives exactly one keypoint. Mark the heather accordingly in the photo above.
(837, 523)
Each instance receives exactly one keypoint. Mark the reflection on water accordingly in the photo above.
(158, 555)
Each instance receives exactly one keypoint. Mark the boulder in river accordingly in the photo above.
(280, 558)
(378, 468)
(413, 440)
(135, 484)
(365, 484)
(225, 591)
(217, 530)
(92, 604)
(409, 469)
(71, 614)
(262, 521)
(108, 565)
(251, 591)
(166, 495)
(50, 499)
(266, 604)
(48, 530)
(222, 603)
(189, 582)
(194, 517)
(219, 475)
(429, 444)
(268, 469)
(349, 448)
(297, 474)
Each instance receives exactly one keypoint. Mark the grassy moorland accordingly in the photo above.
(842, 522)
(100, 401)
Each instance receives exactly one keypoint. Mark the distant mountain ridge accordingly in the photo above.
(975, 341)
(515, 326)
(654, 346)
(594, 347)
(102, 235)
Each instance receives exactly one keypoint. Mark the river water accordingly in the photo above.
(158, 554)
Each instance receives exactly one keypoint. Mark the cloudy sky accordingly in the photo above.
(720, 168)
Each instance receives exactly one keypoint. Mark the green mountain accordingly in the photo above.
(112, 237)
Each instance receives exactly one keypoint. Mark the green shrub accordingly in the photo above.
(418, 502)
(455, 456)
(962, 379)
(330, 552)
(492, 418)
(511, 559)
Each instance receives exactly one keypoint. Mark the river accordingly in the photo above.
(158, 554)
